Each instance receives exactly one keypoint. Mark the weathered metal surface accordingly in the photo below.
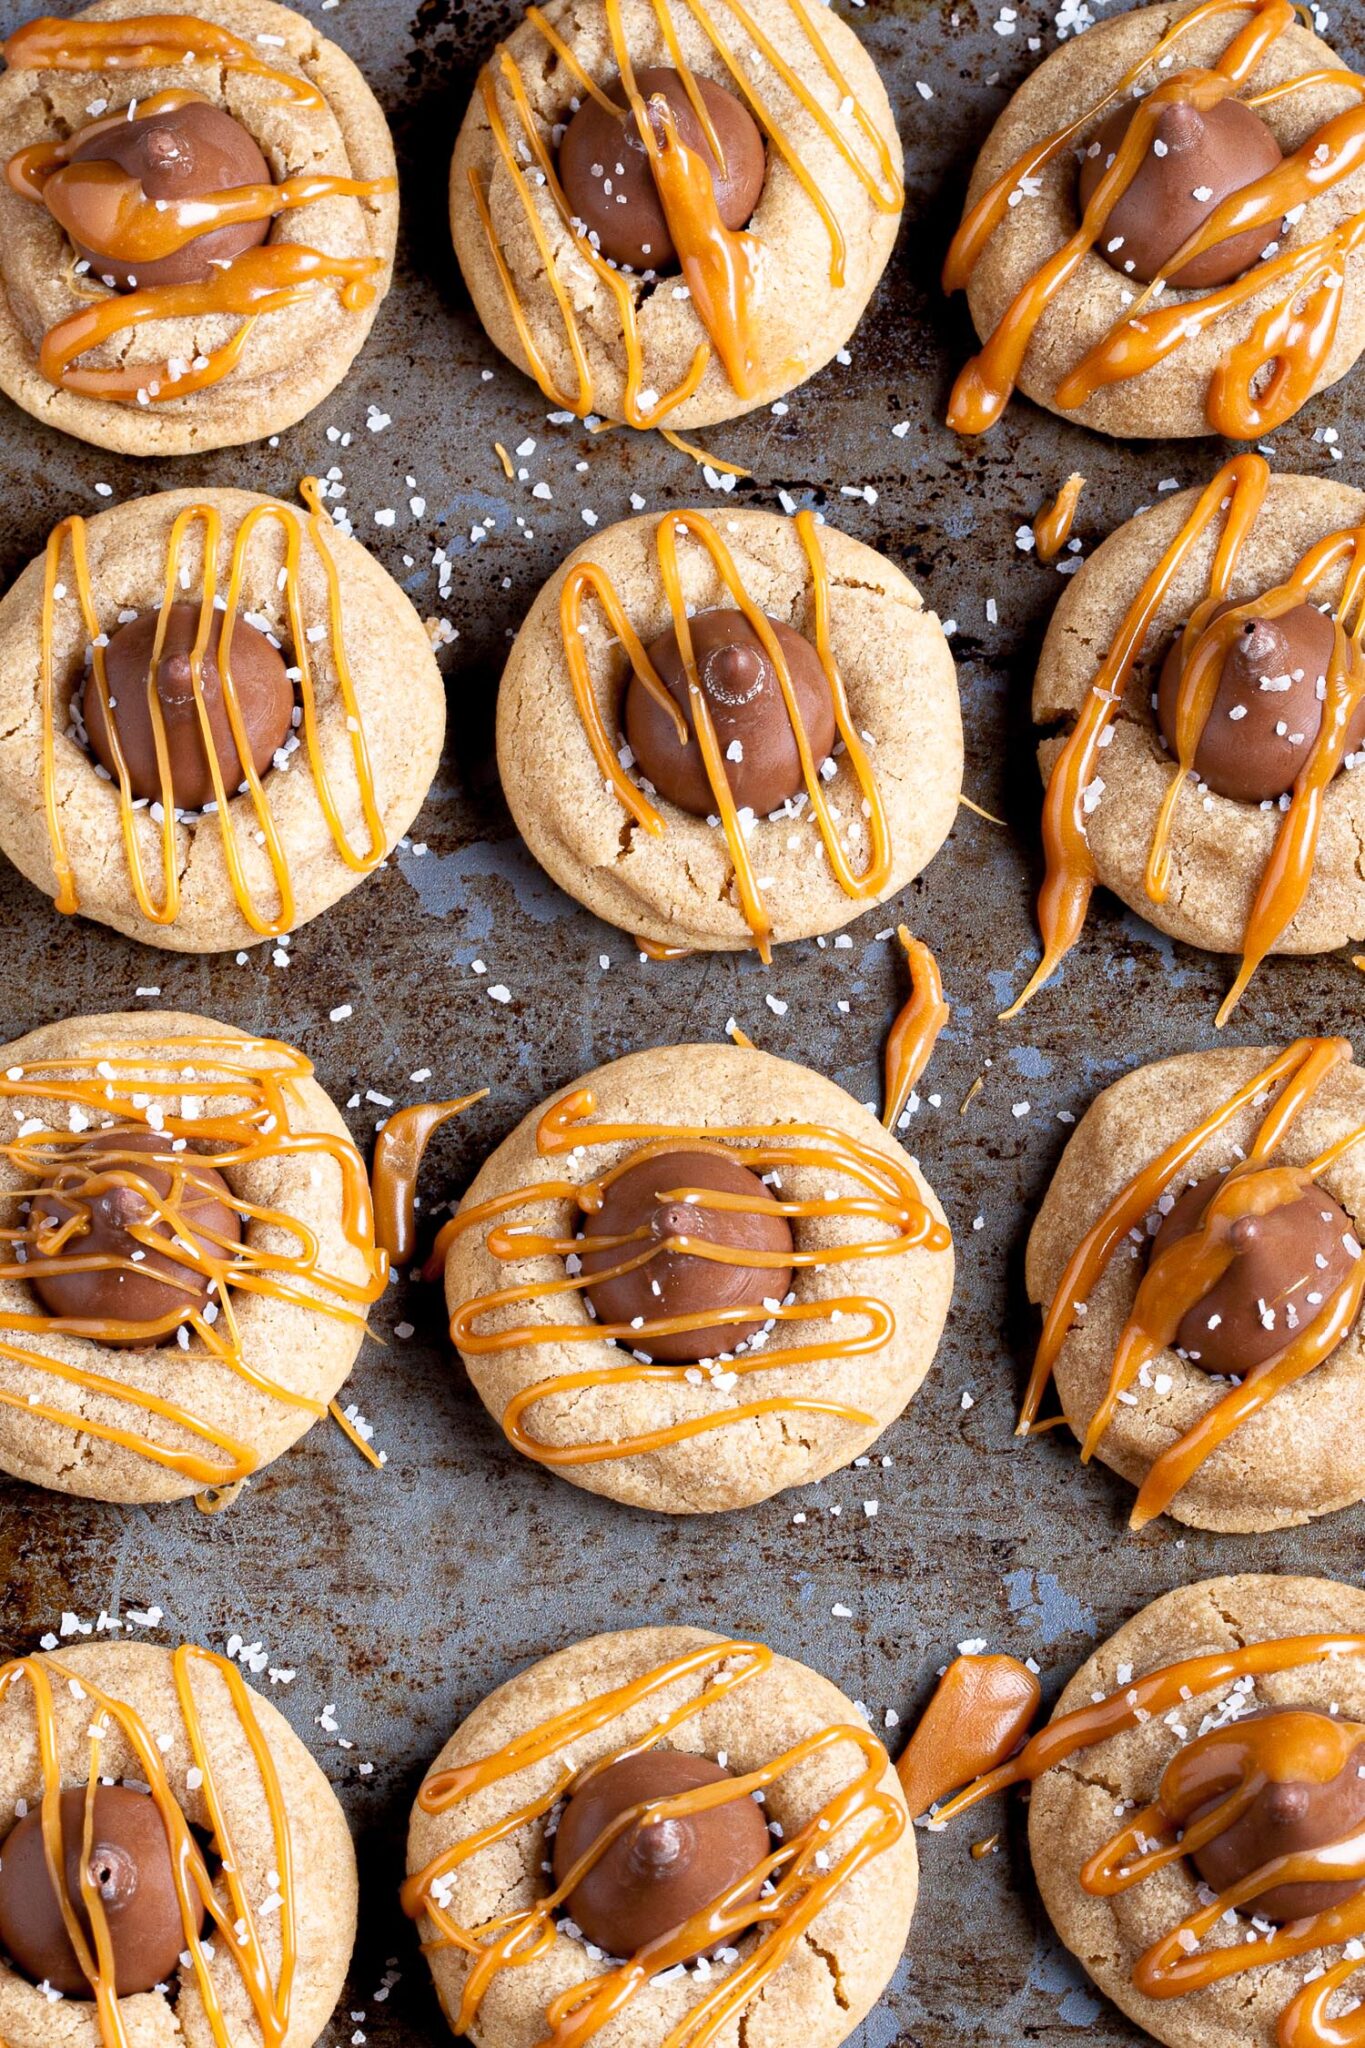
(401, 1598)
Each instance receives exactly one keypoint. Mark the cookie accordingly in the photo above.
(702, 1426)
(360, 704)
(702, 276)
(1256, 1357)
(834, 650)
(1215, 589)
(1103, 1792)
(1099, 333)
(217, 325)
(482, 1830)
(207, 1809)
(239, 1190)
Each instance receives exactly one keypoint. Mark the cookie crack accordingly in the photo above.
(831, 1963)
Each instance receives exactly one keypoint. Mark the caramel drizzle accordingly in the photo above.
(718, 264)
(1185, 1272)
(915, 1032)
(207, 516)
(398, 1155)
(796, 1886)
(122, 1082)
(591, 578)
(887, 1194)
(1230, 1763)
(1236, 497)
(1292, 339)
(236, 1921)
(268, 279)
(978, 1715)
(1052, 527)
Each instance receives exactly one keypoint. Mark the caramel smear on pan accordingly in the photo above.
(980, 1712)
(718, 265)
(1232, 503)
(83, 198)
(590, 579)
(61, 585)
(235, 1922)
(398, 1155)
(1185, 1272)
(801, 1875)
(1291, 341)
(1221, 1771)
(886, 1193)
(225, 1112)
(1052, 527)
(915, 1032)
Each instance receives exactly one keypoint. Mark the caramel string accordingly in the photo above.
(590, 577)
(237, 1921)
(398, 1154)
(1052, 527)
(1291, 340)
(717, 263)
(1228, 1764)
(1186, 1271)
(1235, 496)
(915, 1032)
(800, 1877)
(887, 1195)
(292, 525)
(143, 42)
(113, 1084)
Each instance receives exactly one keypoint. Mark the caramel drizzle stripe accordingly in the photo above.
(270, 2001)
(1187, 1271)
(1171, 1966)
(145, 42)
(722, 261)
(1236, 496)
(1293, 344)
(292, 524)
(800, 1891)
(893, 1199)
(112, 1086)
(592, 577)
(915, 1032)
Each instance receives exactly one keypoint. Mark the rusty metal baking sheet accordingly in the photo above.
(398, 1599)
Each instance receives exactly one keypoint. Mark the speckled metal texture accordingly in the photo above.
(400, 1598)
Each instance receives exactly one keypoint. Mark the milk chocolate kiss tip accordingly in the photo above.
(1267, 710)
(124, 1290)
(1201, 157)
(743, 693)
(678, 1283)
(1289, 1817)
(605, 169)
(653, 1880)
(195, 151)
(1275, 1286)
(265, 698)
(131, 1867)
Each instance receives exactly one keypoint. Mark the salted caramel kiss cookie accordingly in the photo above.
(1218, 1733)
(730, 732)
(631, 1861)
(675, 1284)
(176, 1801)
(176, 1309)
(1212, 1353)
(200, 780)
(197, 222)
(654, 233)
(1205, 724)
(1149, 222)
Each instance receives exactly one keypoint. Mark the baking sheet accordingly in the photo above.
(398, 1599)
